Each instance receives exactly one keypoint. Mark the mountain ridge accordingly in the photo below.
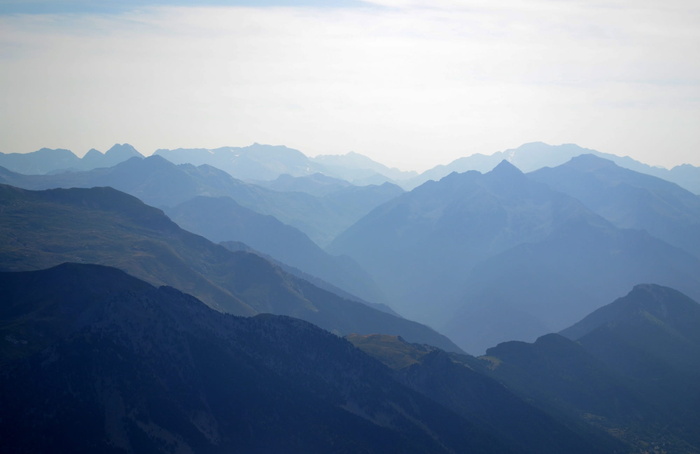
(222, 219)
(443, 251)
(161, 183)
(360, 169)
(630, 367)
(105, 226)
(537, 155)
(127, 367)
(630, 199)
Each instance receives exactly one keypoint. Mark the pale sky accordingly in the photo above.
(409, 83)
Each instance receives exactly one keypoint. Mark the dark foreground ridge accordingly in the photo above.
(94, 360)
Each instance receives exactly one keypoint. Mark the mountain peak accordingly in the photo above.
(589, 162)
(506, 169)
(92, 152)
(123, 150)
(649, 301)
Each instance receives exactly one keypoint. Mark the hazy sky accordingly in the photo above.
(410, 83)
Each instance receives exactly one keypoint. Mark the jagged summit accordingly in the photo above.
(506, 175)
(119, 153)
(506, 169)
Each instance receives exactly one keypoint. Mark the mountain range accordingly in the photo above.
(175, 187)
(96, 360)
(281, 329)
(59, 160)
(443, 253)
(100, 361)
(103, 226)
(630, 199)
(222, 219)
(163, 184)
(537, 155)
(491, 257)
(268, 162)
(258, 163)
(630, 368)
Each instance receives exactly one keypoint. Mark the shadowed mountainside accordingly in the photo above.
(450, 380)
(104, 226)
(631, 367)
(94, 360)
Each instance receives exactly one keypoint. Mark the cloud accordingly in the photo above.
(411, 83)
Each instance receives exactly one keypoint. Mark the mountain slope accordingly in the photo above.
(451, 381)
(100, 361)
(420, 245)
(561, 377)
(222, 219)
(497, 256)
(630, 199)
(104, 226)
(652, 324)
(633, 369)
(237, 246)
(650, 302)
(547, 285)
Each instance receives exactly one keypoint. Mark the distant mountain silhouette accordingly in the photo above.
(259, 162)
(163, 184)
(39, 162)
(632, 368)
(46, 160)
(104, 226)
(154, 180)
(498, 256)
(316, 184)
(115, 155)
(254, 162)
(630, 199)
(222, 219)
(360, 169)
(536, 155)
(94, 360)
